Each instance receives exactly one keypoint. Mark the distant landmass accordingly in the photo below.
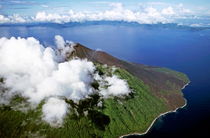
(155, 91)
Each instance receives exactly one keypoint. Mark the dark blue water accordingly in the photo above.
(181, 48)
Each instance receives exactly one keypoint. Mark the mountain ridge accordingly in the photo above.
(155, 77)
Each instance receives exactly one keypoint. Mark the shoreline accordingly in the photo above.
(162, 114)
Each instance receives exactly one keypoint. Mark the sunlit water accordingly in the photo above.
(180, 48)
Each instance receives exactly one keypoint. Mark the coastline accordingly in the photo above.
(162, 114)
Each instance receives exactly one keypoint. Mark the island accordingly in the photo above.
(154, 92)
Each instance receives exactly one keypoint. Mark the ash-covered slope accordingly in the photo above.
(163, 82)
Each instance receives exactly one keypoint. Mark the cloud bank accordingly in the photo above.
(143, 15)
(39, 74)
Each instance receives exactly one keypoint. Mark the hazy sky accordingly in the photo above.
(31, 7)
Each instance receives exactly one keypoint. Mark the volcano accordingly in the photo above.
(158, 79)
(153, 91)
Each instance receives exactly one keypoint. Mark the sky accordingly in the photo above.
(25, 7)
(27, 10)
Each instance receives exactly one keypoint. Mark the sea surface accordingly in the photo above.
(182, 48)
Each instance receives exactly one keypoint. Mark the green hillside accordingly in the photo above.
(116, 116)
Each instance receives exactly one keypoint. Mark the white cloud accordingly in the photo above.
(4, 19)
(44, 6)
(54, 111)
(152, 13)
(117, 6)
(182, 10)
(143, 13)
(117, 87)
(12, 19)
(34, 72)
(59, 41)
(64, 48)
(117, 13)
(44, 17)
(17, 18)
(168, 11)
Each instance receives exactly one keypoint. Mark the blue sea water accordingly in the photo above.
(182, 48)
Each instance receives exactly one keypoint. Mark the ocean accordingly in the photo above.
(182, 48)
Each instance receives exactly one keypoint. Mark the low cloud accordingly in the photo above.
(168, 11)
(16, 18)
(117, 87)
(32, 71)
(4, 19)
(146, 14)
(65, 48)
(38, 74)
(117, 13)
(54, 111)
(59, 41)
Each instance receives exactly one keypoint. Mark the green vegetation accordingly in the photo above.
(134, 114)
(175, 74)
(115, 117)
